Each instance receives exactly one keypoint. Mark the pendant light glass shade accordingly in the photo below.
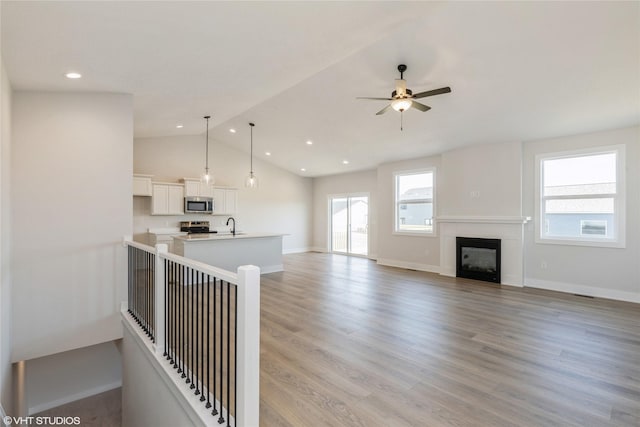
(252, 179)
(207, 178)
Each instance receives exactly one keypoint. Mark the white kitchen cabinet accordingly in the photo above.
(142, 185)
(225, 201)
(194, 188)
(167, 199)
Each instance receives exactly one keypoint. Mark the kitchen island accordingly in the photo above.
(229, 251)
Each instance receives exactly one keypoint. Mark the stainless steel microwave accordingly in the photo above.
(203, 205)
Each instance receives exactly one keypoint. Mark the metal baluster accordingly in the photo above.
(152, 300)
(215, 353)
(183, 319)
(166, 305)
(134, 257)
(235, 352)
(146, 296)
(201, 305)
(130, 269)
(228, 349)
(135, 289)
(174, 309)
(197, 310)
(145, 293)
(180, 319)
(190, 331)
(208, 405)
(221, 418)
(143, 285)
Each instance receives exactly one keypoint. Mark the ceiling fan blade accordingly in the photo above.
(384, 110)
(419, 106)
(376, 99)
(432, 92)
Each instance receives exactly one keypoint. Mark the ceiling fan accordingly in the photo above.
(403, 99)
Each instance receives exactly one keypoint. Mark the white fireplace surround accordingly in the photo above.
(510, 230)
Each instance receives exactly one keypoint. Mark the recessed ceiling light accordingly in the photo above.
(309, 142)
(179, 126)
(267, 153)
(232, 130)
(73, 75)
(303, 169)
(345, 162)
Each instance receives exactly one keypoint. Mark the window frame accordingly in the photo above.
(619, 199)
(396, 204)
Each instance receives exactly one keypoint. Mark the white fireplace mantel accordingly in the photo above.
(509, 229)
(484, 219)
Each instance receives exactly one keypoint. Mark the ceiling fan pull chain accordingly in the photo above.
(401, 116)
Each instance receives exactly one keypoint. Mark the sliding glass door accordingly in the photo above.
(349, 220)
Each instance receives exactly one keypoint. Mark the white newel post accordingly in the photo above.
(161, 248)
(248, 385)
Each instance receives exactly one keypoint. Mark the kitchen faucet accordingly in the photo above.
(233, 229)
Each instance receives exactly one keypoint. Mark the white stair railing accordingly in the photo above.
(204, 323)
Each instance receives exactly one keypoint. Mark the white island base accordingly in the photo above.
(230, 252)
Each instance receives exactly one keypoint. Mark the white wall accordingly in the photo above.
(348, 183)
(72, 375)
(147, 400)
(282, 203)
(5, 239)
(415, 252)
(71, 205)
(604, 272)
(481, 180)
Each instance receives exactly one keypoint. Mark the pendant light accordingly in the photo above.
(206, 178)
(252, 180)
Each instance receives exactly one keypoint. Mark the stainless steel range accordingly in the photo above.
(193, 227)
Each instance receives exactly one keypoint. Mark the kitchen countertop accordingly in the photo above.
(166, 231)
(224, 236)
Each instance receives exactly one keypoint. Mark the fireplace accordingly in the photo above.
(478, 259)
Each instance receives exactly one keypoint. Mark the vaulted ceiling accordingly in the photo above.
(518, 71)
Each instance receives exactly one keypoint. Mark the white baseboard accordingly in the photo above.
(574, 288)
(272, 269)
(296, 251)
(318, 249)
(409, 265)
(74, 397)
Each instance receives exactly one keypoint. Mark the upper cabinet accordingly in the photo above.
(142, 185)
(225, 201)
(194, 188)
(167, 199)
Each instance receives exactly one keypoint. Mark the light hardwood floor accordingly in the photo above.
(346, 342)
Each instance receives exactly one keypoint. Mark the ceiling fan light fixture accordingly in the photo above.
(402, 104)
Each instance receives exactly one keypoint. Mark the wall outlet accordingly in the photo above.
(475, 194)
(543, 265)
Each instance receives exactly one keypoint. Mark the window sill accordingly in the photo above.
(414, 234)
(620, 244)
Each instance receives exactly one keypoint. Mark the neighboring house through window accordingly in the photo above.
(581, 197)
(414, 201)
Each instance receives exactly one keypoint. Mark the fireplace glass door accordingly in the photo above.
(478, 259)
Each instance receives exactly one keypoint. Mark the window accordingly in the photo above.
(582, 197)
(414, 206)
